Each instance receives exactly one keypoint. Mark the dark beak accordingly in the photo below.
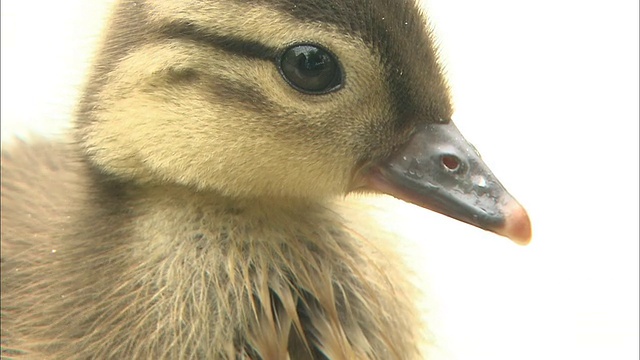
(439, 170)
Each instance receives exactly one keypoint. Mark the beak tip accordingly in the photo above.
(517, 226)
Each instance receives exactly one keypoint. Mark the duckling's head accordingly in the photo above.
(282, 98)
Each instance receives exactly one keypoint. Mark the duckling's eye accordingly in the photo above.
(310, 69)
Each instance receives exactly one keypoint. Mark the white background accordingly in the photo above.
(546, 90)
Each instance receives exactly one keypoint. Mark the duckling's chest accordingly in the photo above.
(275, 281)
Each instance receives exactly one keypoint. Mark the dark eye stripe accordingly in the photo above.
(232, 44)
(250, 97)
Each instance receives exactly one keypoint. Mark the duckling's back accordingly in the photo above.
(39, 186)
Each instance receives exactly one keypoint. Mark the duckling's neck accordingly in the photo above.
(176, 213)
(175, 222)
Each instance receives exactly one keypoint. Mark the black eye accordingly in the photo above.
(310, 69)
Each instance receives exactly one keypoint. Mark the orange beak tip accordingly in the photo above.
(517, 226)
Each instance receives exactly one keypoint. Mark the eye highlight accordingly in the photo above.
(310, 69)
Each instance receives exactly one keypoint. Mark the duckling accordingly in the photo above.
(198, 210)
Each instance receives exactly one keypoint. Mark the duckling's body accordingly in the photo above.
(163, 272)
(196, 213)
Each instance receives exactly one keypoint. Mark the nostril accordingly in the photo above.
(451, 162)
